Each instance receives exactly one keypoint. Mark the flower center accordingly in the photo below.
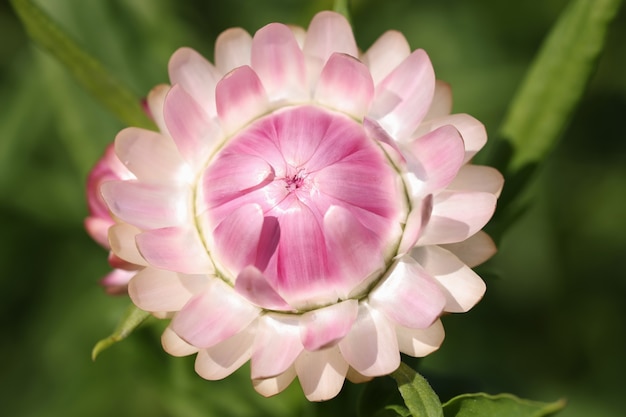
(309, 200)
(295, 181)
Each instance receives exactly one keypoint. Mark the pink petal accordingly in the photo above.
(478, 178)
(151, 156)
(252, 284)
(415, 223)
(277, 345)
(356, 378)
(389, 50)
(409, 296)
(472, 131)
(328, 33)
(98, 229)
(116, 281)
(272, 386)
(147, 206)
(232, 49)
(197, 76)
(196, 135)
(321, 373)
(389, 145)
(302, 258)
(462, 287)
(279, 63)
(442, 101)
(178, 249)
(345, 85)
(371, 347)
(174, 345)
(122, 240)
(232, 175)
(474, 250)
(420, 342)
(436, 159)
(402, 99)
(223, 359)
(354, 251)
(324, 327)
(158, 290)
(156, 103)
(237, 237)
(202, 321)
(240, 97)
(457, 216)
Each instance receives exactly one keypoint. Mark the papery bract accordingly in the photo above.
(305, 207)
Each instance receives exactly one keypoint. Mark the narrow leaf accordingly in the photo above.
(87, 71)
(418, 396)
(131, 319)
(342, 7)
(484, 405)
(557, 79)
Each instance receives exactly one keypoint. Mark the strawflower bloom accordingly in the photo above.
(304, 207)
(97, 224)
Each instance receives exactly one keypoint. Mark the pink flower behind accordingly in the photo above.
(304, 207)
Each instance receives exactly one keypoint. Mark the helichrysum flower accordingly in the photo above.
(305, 207)
(99, 221)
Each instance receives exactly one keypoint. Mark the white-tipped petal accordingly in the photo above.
(321, 373)
(389, 50)
(122, 242)
(279, 63)
(240, 97)
(462, 287)
(275, 330)
(403, 97)
(272, 386)
(478, 178)
(409, 296)
(174, 345)
(202, 321)
(474, 250)
(457, 216)
(154, 289)
(176, 249)
(232, 49)
(196, 75)
(371, 347)
(323, 327)
(420, 342)
(223, 359)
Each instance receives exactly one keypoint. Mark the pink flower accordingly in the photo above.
(99, 221)
(305, 207)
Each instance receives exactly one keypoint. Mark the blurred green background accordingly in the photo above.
(552, 324)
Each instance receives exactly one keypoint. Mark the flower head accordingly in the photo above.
(304, 206)
(97, 224)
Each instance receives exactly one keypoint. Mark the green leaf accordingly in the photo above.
(87, 71)
(557, 79)
(502, 405)
(546, 100)
(342, 7)
(132, 318)
(418, 396)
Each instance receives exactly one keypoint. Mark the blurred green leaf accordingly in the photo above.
(133, 318)
(556, 80)
(418, 396)
(343, 7)
(84, 68)
(502, 405)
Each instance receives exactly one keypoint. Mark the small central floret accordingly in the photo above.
(295, 181)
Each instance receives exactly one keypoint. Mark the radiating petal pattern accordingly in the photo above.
(302, 206)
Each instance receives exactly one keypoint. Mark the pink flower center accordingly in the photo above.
(307, 198)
